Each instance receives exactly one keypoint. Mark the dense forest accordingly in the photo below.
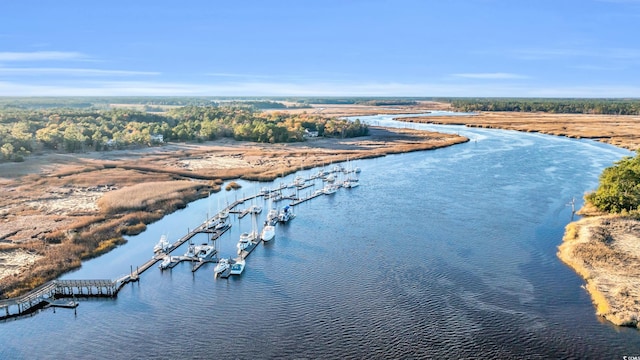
(619, 188)
(24, 131)
(559, 106)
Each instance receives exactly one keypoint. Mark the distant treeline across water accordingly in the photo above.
(557, 106)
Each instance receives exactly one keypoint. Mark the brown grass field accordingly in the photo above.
(58, 209)
(620, 131)
(605, 251)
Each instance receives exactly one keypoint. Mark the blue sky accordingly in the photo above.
(537, 48)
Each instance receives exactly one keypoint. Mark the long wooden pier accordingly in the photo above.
(47, 293)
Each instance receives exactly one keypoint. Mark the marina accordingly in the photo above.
(53, 292)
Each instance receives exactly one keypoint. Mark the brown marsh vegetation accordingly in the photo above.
(605, 251)
(618, 130)
(57, 209)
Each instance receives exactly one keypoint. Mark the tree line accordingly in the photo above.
(24, 131)
(619, 188)
(558, 106)
(357, 101)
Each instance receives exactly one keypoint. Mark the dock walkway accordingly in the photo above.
(48, 293)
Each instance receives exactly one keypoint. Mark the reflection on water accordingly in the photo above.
(445, 253)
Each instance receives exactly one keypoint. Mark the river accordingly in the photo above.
(445, 253)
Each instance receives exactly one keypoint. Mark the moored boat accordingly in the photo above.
(162, 245)
(245, 241)
(247, 238)
(222, 266)
(204, 251)
(268, 232)
(330, 189)
(237, 267)
(255, 209)
(191, 250)
(166, 262)
(329, 178)
(286, 214)
(350, 183)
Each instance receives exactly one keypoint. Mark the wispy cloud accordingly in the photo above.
(73, 72)
(490, 76)
(237, 75)
(556, 53)
(42, 56)
(596, 67)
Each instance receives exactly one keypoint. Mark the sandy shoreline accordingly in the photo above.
(605, 251)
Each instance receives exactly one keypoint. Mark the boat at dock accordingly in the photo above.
(329, 178)
(166, 262)
(268, 232)
(191, 251)
(237, 267)
(222, 266)
(204, 251)
(162, 245)
(272, 216)
(286, 214)
(299, 181)
(247, 238)
(70, 304)
(330, 189)
(350, 183)
(255, 209)
(217, 224)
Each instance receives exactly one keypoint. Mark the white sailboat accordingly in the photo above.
(246, 239)
(222, 266)
(162, 245)
(350, 183)
(272, 215)
(329, 178)
(166, 262)
(330, 189)
(224, 213)
(255, 209)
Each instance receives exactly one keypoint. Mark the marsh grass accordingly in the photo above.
(144, 196)
(232, 186)
(138, 191)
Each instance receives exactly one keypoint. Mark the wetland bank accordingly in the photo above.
(411, 249)
(535, 254)
(61, 208)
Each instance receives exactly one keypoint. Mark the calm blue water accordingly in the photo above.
(446, 253)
